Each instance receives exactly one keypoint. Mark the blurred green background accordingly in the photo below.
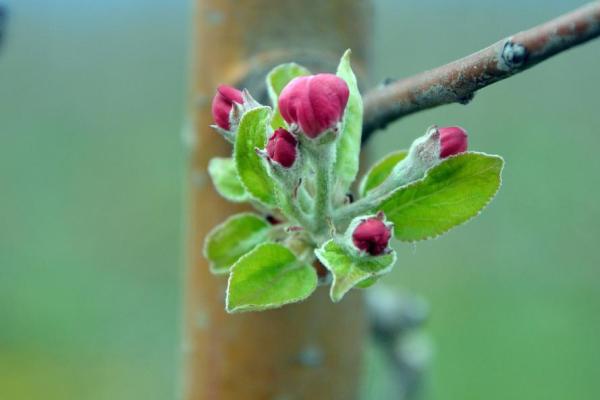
(92, 98)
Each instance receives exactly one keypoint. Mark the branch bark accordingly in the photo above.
(458, 81)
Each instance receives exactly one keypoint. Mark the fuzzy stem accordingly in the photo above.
(345, 214)
(323, 158)
(422, 155)
(404, 173)
(292, 209)
(305, 200)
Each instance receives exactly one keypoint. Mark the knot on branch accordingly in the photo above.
(513, 56)
(466, 99)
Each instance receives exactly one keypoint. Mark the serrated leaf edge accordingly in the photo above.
(493, 195)
(218, 271)
(327, 265)
(346, 58)
(250, 194)
(241, 199)
(253, 307)
(363, 181)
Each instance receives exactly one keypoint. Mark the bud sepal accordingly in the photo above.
(228, 108)
(369, 235)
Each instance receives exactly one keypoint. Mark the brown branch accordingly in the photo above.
(458, 81)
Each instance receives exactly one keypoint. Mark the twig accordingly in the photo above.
(458, 81)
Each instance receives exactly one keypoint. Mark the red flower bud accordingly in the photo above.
(281, 148)
(222, 104)
(453, 140)
(372, 235)
(315, 103)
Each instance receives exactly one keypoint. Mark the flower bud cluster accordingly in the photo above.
(310, 105)
(313, 106)
(296, 161)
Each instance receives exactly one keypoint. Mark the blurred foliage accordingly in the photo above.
(92, 100)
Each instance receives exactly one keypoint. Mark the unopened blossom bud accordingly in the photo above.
(372, 236)
(223, 103)
(314, 103)
(282, 148)
(453, 140)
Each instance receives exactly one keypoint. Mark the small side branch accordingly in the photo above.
(458, 81)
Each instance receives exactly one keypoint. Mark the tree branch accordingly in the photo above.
(458, 81)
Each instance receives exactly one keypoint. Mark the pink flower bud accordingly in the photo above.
(222, 104)
(372, 236)
(315, 103)
(281, 148)
(453, 140)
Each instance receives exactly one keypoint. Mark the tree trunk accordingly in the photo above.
(310, 350)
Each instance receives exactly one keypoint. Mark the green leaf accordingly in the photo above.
(269, 277)
(380, 171)
(277, 79)
(348, 270)
(226, 180)
(450, 194)
(348, 147)
(251, 134)
(227, 242)
(367, 283)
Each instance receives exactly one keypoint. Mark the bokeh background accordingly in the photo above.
(92, 104)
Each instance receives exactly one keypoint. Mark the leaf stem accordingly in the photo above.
(345, 214)
(402, 174)
(323, 159)
(293, 210)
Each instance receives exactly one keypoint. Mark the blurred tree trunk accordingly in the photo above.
(310, 350)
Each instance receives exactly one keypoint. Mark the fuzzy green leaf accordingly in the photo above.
(349, 270)
(226, 180)
(269, 277)
(367, 283)
(348, 147)
(227, 242)
(380, 171)
(252, 133)
(450, 194)
(277, 79)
